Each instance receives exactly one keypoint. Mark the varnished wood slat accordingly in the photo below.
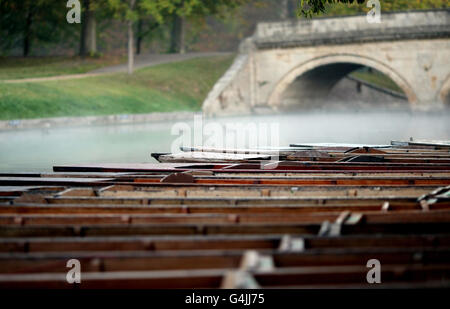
(211, 218)
(407, 276)
(213, 259)
(218, 229)
(315, 222)
(215, 242)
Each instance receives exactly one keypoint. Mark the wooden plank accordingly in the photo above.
(246, 260)
(299, 276)
(125, 280)
(216, 218)
(218, 229)
(218, 242)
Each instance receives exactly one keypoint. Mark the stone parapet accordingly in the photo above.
(354, 29)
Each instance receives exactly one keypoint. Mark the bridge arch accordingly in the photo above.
(348, 63)
(445, 92)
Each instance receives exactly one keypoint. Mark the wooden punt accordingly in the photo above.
(312, 220)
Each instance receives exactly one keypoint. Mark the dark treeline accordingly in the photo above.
(31, 24)
(39, 27)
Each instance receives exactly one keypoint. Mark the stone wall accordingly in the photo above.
(92, 120)
(353, 29)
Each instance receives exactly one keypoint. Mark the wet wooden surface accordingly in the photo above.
(313, 221)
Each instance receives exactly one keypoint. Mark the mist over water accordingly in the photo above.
(40, 149)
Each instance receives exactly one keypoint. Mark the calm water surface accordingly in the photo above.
(40, 149)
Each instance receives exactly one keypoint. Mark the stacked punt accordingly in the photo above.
(314, 219)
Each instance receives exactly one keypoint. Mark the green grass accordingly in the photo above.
(180, 86)
(376, 78)
(20, 68)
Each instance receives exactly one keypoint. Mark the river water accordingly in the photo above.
(40, 149)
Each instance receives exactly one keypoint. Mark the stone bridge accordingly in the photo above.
(287, 63)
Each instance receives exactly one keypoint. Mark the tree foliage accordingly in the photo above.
(309, 7)
(25, 22)
(32, 24)
(347, 7)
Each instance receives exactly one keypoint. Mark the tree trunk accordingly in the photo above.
(291, 9)
(88, 39)
(139, 37)
(130, 48)
(173, 34)
(182, 39)
(27, 33)
(91, 33)
(130, 42)
(284, 10)
(178, 35)
(83, 37)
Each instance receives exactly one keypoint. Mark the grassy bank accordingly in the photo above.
(179, 86)
(19, 68)
(376, 78)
